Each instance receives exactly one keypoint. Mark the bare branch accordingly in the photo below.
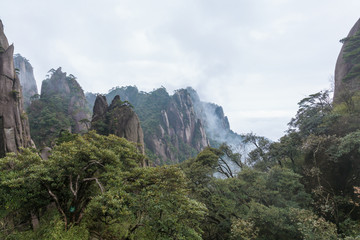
(92, 162)
(97, 181)
(58, 206)
(71, 186)
(226, 167)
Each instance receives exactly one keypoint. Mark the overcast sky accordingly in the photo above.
(255, 58)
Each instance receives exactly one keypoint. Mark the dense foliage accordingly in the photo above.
(305, 186)
(93, 186)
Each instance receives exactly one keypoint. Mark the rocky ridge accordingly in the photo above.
(172, 131)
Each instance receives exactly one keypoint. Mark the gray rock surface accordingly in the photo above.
(342, 69)
(179, 124)
(27, 79)
(14, 126)
(45, 153)
(216, 124)
(100, 109)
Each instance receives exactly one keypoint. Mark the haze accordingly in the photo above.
(257, 59)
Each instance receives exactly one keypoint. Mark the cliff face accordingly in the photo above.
(14, 126)
(216, 124)
(172, 131)
(118, 119)
(179, 130)
(343, 68)
(27, 79)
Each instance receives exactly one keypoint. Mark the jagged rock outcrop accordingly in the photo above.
(215, 122)
(342, 69)
(99, 110)
(27, 79)
(118, 119)
(14, 126)
(179, 124)
(69, 90)
(62, 106)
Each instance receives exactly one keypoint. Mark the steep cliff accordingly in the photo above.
(118, 119)
(62, 105)
(347, 70)
(172, 131)
(216, 124)
(27, 79)
(14, 126)
(179, 133)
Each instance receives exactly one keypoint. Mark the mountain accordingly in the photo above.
(118, 119)
(347, 80)
(172, 131)
(216, 124)
(62, 105)
(27, 79)
(14, 126)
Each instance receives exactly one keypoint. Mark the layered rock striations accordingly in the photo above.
(27, 79)
(14, 126)
(344, 67)
(118, 119)
(179, 130)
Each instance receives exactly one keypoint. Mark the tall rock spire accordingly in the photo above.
(27, 79)
(14, 126)
(118, 119)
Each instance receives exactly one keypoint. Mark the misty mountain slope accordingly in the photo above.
(27, 79)
(176, 126)
(216, 124)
